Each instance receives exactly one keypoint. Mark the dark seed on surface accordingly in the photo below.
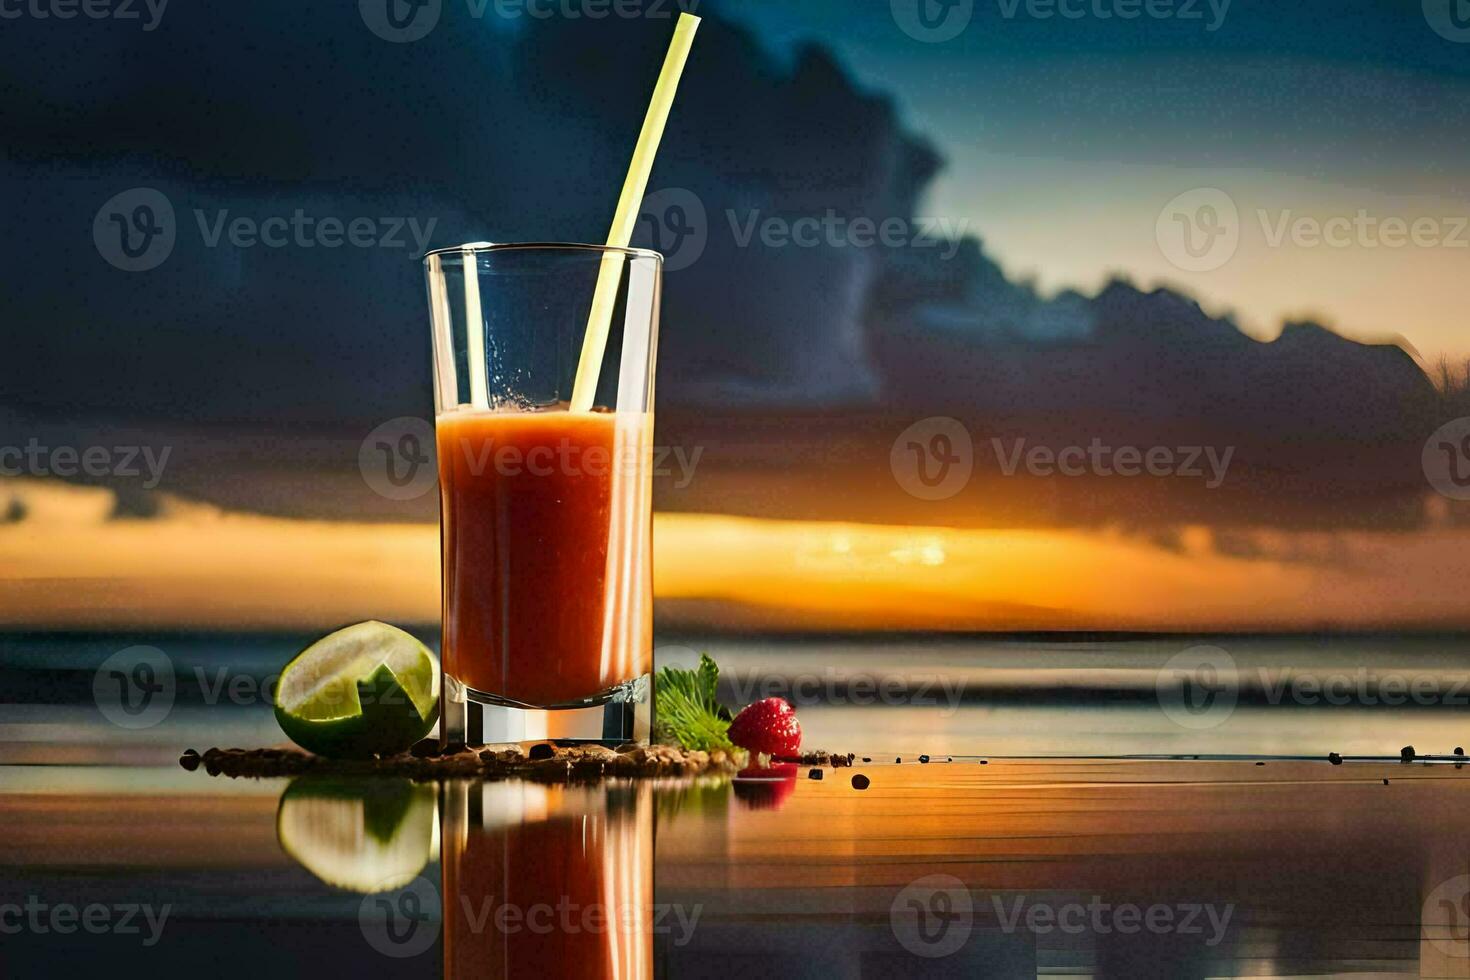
(866, 759)
(1260, 763)
(540, 751)
(1334, 758)
(985, 762)
(923, 758)
(1459, 750)
(898, 759)
(1407, 753)
(1385, 782)
(190, 760)
(860, 781)
(814, 774)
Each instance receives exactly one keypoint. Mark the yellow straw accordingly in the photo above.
(594, 345)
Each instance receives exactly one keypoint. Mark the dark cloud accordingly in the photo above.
(496, 130)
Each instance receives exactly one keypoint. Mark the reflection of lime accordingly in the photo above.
(365, 835)
(369, 689)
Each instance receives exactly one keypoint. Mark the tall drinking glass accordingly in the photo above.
(546, 527)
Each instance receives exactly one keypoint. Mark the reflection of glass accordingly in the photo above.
(547, 881)
(365, 834)
(546, 513)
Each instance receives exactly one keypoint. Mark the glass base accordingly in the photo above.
(473, 718)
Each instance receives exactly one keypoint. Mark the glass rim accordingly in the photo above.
(482, 247)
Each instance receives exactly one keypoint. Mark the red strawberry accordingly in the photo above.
(768, 726)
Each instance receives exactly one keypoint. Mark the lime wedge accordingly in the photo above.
(364, 834)
(366, 690)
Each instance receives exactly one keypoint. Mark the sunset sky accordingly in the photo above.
(66, 563)
(1065, 139)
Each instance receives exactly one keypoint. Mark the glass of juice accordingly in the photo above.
(547, 881)
(546, 525)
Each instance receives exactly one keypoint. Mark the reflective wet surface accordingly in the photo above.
(1005, 869)
(1242, 862)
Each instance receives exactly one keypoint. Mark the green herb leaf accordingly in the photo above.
(685, 709)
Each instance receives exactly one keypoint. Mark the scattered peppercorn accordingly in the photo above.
(859, 781)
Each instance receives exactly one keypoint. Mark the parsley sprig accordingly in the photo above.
(686, 711)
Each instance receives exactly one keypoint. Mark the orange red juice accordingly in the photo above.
(546, 542)
(564, 893)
